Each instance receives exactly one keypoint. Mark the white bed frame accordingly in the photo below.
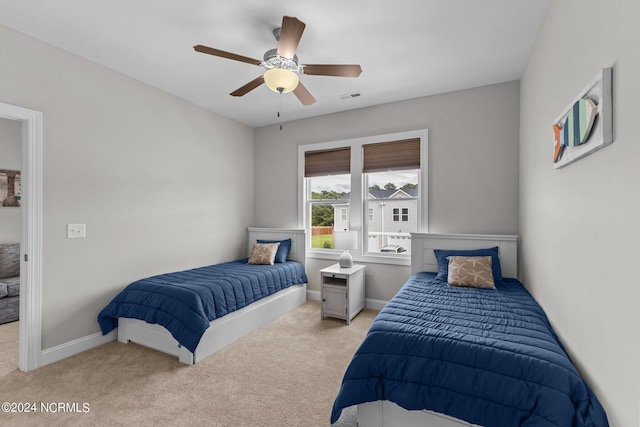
(227, 329)
(384, 413)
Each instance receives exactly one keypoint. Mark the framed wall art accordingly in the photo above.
(586, 125)
(10, 188)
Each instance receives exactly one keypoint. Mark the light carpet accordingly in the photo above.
(286, 374)
(8, 348)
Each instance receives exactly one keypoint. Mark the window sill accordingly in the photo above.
(404, 259)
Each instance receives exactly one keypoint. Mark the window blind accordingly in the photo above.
(392, 155)
(336, 161)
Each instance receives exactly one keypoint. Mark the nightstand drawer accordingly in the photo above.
(335, 275)
(330, 281)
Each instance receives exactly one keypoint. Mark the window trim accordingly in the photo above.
(358, 204)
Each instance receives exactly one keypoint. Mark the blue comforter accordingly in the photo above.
(485, 356)
(186, 301)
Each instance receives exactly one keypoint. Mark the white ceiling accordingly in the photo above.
(407, 48)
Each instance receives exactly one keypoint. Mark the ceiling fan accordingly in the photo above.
(283, 68)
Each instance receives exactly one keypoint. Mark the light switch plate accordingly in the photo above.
(76, 231)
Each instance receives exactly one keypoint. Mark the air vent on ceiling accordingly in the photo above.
(351, 95)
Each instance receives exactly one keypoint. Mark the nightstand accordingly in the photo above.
(342, 291)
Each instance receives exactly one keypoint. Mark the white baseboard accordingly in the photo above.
(313, 295)
(74, 347)
(374, 304)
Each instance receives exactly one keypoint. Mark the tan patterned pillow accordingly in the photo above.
(472, 271)
(263, 253)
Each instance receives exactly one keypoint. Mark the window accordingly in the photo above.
(375, 186)
(395, 196)
(327, 206)
(399, 213)
(327, 185)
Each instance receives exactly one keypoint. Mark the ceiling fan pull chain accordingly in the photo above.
(280, 106)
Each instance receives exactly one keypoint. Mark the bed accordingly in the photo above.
(445, 356)
(236, 285)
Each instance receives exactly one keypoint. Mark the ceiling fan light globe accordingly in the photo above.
(281, 80)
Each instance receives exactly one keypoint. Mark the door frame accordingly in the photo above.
(30, 347)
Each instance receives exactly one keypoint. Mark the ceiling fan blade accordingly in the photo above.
(248, 87)
(303, 94)
(351, 70)
(224, 54)
(290, 34)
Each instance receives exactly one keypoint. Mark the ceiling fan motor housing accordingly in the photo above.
(273, 60)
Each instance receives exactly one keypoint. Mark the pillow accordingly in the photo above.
(263, 253)
(9, 260)
(472, 271)
(443, 262)
(283, 249)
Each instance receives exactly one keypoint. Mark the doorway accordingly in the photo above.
(30, 326)
(10, 236)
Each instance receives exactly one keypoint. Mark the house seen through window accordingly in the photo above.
(393, 197)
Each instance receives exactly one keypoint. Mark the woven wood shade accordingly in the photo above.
(393, 155)
(336, 161)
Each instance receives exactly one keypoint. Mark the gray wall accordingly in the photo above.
(10, 158)
(161, 184)
(473, 165)
(579, 225)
